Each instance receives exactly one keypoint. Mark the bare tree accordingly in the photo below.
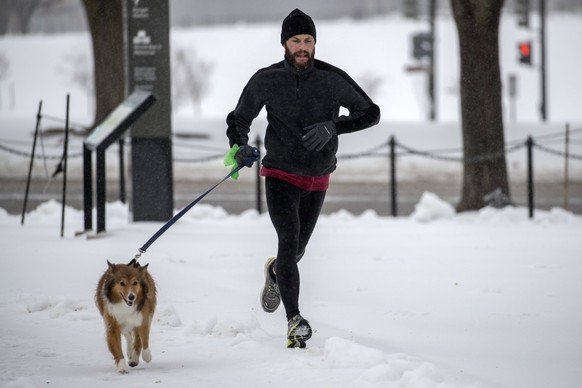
(76, 67)
(4, 65)
(484, 167)
(190, 78)
(105, 19)
(15, 15)
(371, 83)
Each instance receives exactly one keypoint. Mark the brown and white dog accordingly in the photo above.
(126, 299)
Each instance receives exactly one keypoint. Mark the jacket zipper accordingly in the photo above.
(298, 95)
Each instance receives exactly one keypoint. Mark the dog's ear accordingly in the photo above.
(107, 288)
(144, 268)
(113, 267)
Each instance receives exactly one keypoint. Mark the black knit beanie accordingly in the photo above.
(297, 23)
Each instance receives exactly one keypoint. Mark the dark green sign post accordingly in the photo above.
(147, 32)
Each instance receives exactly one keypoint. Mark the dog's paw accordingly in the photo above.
(147, 355)
(133, 357)
(122, 366)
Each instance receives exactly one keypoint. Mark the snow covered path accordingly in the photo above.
(486, 299)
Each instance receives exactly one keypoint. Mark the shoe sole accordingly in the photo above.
(296, 344)
(267, 275)
(265, 308)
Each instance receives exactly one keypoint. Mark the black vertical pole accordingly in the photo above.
(530, 183)
(101, 191)
(393, 209)
(259, 190)
(543, 103)
(65, 156)
(38, 118)
(566, 169)
(87, 188)
(431, 73)
(121, 170)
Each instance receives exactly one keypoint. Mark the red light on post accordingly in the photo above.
(525, 52)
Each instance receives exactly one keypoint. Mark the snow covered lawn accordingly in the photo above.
(483, 299)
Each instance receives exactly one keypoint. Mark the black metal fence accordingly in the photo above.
(392, 150)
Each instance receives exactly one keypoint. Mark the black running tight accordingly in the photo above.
(294, 213)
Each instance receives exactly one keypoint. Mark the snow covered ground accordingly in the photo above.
(487, 299)
(484, 299)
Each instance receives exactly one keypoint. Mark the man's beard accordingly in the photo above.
(291, 58)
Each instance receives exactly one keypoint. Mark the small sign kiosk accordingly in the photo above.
(105, 134)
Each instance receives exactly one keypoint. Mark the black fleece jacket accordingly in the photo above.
(295, 99)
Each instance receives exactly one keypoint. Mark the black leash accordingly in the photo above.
(179, 215)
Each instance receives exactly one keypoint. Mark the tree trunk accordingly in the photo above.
(105, 19)
(484, 166)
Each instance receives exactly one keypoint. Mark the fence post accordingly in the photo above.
(121, 143)
(566, 169)
(393, 208)
(38, 118)
(101, 190)
(258, 178)
(65, 157)
(530, 183)
(87, 189)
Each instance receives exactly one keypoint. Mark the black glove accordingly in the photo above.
(246, 155)
(317, 135)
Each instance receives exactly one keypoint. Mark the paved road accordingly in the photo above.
(236, 197)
